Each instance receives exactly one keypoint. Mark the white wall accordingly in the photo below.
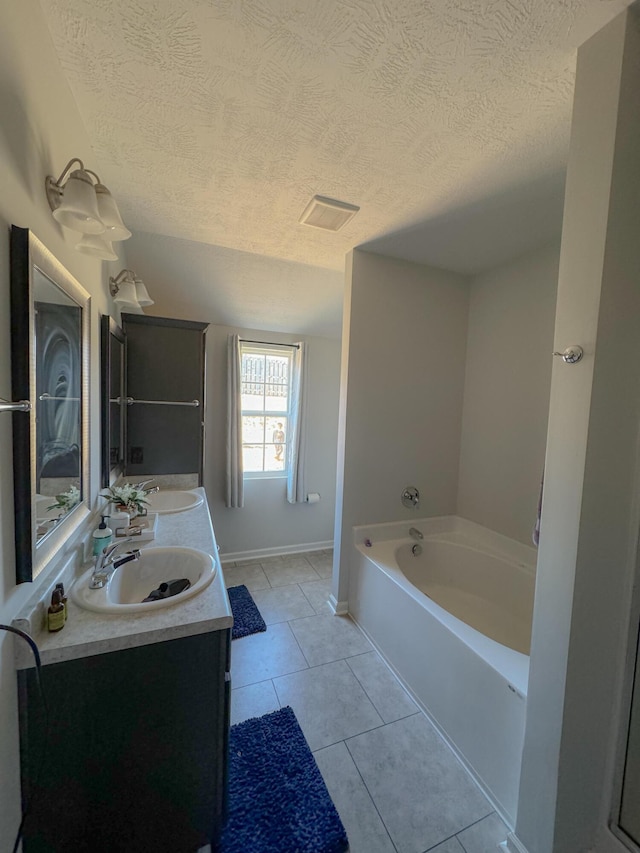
(506, 393)
(228, 286)
(267, 521)
(404, 339)
(40, 130)
(590, 519)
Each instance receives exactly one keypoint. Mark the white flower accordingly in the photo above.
(66, 500)
(127, 494)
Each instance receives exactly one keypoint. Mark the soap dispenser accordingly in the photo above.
(102, 536)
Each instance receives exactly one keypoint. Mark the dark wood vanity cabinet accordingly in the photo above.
(134, 754)
(164, 376)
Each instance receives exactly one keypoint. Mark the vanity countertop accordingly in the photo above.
(87, 633)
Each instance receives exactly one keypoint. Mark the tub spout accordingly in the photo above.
(414, 533)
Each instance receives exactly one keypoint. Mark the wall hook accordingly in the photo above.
(571, 355)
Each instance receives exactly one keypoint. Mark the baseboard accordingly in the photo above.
(278, 551)
(338, 608)
(512, 845)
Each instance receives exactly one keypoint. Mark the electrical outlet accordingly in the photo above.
(136, 456)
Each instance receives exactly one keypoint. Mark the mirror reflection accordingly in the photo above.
(50, 321)
(58, 355)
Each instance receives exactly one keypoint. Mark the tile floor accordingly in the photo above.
(397, 786)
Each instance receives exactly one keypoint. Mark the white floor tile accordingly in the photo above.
(294, 571)
(327, 638)
(421, 791)
(390, 699)
(365, 830)
(484, 836)
(317, 594)
(322, 563)
(266, 655)
(254, 700)
(329, 703)
(451, 845)
(250, 575)
(282, 604)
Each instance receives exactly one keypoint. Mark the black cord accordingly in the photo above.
(36, 654)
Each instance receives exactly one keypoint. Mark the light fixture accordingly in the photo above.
(96, 246)
(116, 230)
(327, 213)
(129, 292)
(81, 202)
(142, 294)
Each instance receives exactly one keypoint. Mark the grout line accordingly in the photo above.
(404, 716)
(273, 681)
(300, 647)
(366, 787)
(453, 837)
(480, 819)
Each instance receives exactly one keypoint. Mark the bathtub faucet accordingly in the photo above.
(414, 533)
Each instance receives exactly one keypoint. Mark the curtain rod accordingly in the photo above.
(269, 343)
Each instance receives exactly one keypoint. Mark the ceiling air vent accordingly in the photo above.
(328, 213)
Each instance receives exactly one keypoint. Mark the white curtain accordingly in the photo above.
(296, 491)
(235, 484)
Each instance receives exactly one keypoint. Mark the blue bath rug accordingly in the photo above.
(246, 616)
(278, 802)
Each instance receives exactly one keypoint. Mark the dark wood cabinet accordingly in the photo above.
(164, 378)
(134, 754)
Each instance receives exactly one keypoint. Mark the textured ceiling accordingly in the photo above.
(217, 120)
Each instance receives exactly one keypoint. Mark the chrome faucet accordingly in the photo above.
(144, 483)
(414, 533)
(106, 563)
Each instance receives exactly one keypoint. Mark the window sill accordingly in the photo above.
(265, 475)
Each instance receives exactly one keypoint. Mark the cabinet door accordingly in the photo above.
(135, 752)
(165, 368)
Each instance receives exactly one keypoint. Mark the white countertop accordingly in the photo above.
(87, 633)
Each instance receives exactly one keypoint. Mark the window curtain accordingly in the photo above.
(234, 484)
(296, 491)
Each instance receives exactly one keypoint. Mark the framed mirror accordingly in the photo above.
(50, 354)
(113, 403)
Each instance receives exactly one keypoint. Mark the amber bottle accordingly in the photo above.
(55, 613)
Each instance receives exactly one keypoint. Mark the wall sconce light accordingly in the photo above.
(81, 202)
(128, 291)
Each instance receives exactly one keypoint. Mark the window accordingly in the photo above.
(266, 396)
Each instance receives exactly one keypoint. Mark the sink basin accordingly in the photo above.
(173, 501)
(133, 581)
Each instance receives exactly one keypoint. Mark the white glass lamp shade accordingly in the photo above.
(126, 297)
(96, 246)
(78, 209)
(116, 230)
(142, 294)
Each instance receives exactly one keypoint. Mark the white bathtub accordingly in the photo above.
(454, 623)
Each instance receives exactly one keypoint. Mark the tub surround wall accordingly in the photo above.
(404, 339)
(415, 342)
(506, 393)
(267, 523)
